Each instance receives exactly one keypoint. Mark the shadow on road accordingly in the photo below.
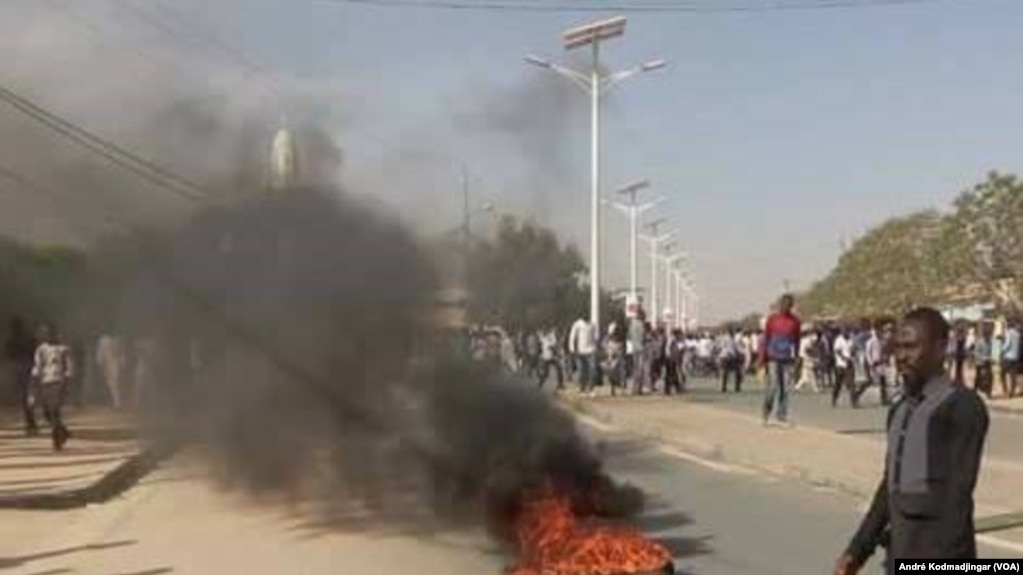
(107, 434)
(657, 523)
(12, 562)
(68, 462)
(686, 547)
(72, 450)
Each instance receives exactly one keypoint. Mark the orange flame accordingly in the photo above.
(553, 541)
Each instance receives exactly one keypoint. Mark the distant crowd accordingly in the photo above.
(840, 357)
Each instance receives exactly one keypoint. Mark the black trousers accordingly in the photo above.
(983, 379)
(673, 377)
(845, 377)
(1010, 368)
(730, 366)
(958, 364)
(51, 398)
(882, 380)
(545, 371)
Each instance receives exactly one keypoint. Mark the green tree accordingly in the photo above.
(40, 282)
(886, 271)
(989, 222)
(524, 278)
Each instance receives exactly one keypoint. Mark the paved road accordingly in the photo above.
(725, 519)
(717, 519)
(1005, 439)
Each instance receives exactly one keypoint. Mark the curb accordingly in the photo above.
(715, 452)
(116, 482)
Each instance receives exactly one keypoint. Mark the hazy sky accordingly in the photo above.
(772, 134)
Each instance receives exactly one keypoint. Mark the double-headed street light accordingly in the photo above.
(634, 211)
(656, 240)
(595, 83)
(679, 275)
(670, 293)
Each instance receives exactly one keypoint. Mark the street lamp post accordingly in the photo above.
(634, 211)
(695, 305)
(655, 240)
(680, 320)
(669, 277)
(675, 286)
(595, 83)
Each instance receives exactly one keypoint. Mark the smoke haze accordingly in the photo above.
(283, 334)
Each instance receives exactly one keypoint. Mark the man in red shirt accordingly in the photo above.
(778, 353)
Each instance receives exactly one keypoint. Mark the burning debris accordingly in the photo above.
(556, 537)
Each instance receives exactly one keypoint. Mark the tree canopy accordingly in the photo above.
(525, 278)
(39, 282)
(930, 257)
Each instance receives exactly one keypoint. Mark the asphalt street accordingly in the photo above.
(717, 519)
(726, 519)
(805, 406)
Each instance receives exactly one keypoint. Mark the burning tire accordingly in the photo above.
(552, 540)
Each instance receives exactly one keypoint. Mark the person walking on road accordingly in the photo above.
(636, 351)
(959, 355)
(808, 363)
(52, 370)
(1010, 358)
(614, 357)
(845, 368)
(730, 358)
(531, 358)
(923, 506)
(782, 333)
(582, 342)
(21, 347)
(983, 355)
(674, 352)
(549, 359)
(879, 357)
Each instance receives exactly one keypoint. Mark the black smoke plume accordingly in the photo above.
(294, 349)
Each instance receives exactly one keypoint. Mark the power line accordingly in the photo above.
(679, 7)
(110, 151)
(206, 42)
(74, 220)
(98, 32)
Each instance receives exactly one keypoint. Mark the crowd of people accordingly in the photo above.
(837, 357)
(633, 357)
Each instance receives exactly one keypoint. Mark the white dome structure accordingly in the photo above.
(283, 160)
